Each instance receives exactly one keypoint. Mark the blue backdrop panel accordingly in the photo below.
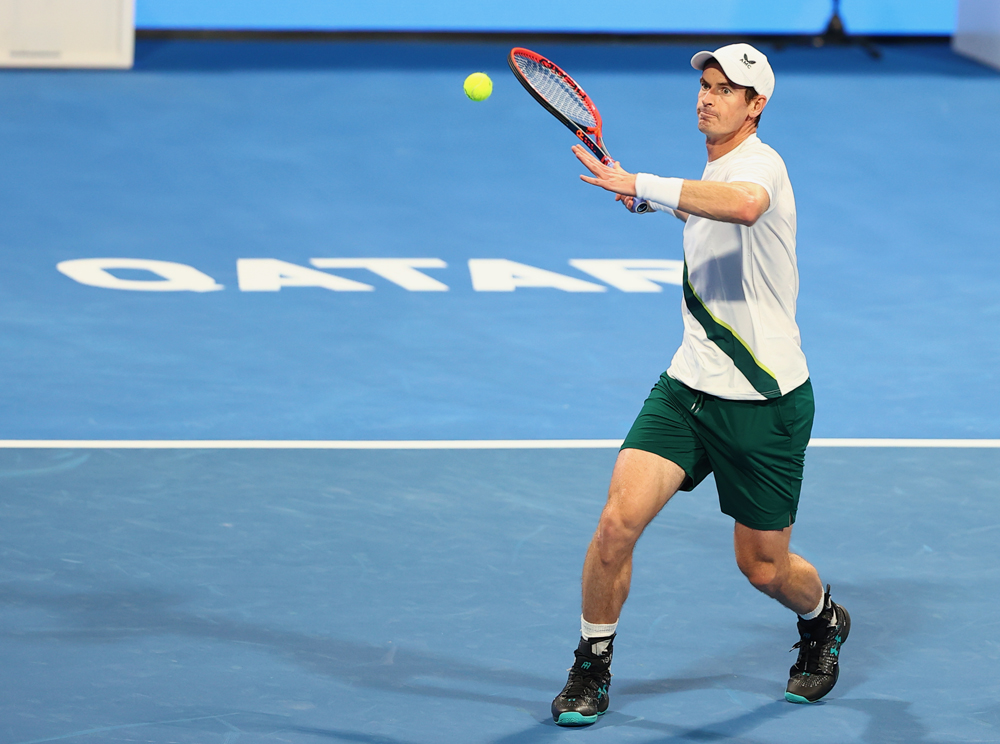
(384, 597)
(489, 15)
(723, 16)
(211, 152)
(899, 16)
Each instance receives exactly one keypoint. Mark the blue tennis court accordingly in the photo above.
(403, 595)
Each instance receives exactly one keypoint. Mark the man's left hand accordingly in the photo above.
(612, 178)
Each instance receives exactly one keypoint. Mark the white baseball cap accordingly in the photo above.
(742, 64)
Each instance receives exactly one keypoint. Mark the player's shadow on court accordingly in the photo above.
(898, 606)
(117, 616)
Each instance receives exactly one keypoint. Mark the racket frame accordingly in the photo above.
(591, 136)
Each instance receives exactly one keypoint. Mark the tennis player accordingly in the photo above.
(736, 399)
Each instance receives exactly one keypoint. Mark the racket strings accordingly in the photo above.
(554, 89)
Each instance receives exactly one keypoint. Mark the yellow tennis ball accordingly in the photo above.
(478, 86)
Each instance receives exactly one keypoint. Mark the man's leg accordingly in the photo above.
(640, 486)
(824, 625)
(763, 557)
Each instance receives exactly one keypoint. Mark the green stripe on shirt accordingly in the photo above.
(722, 335)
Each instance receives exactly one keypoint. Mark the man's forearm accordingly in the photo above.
(740, 203)
(682, 216)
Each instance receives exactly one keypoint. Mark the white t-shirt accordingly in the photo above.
(740, 340)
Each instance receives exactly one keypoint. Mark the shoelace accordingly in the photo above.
(580, 683)
(814, 657)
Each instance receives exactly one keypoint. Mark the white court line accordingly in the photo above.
(951, 443)
(432, 444)
(373, 444)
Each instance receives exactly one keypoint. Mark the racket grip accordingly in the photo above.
(639, 206)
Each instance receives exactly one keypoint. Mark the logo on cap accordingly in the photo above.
(747, 62)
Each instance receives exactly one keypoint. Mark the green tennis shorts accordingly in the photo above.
(755, 448)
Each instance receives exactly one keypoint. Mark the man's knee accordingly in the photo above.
(764, 575)
(616, 533)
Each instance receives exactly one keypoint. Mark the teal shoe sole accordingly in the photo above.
(576, 719)
(792, 698)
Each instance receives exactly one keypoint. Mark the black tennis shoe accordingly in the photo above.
(816, 670)
(585, 696)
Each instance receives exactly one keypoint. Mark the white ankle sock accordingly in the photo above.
(816, 613)
(595, 630)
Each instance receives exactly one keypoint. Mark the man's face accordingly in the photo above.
(722, 105)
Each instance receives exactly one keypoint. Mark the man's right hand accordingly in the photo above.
(628, 201)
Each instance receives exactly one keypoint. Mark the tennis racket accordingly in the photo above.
(564, 99)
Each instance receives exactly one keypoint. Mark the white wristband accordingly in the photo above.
(665, 191)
